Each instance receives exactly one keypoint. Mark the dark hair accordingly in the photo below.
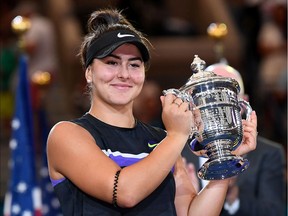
(105, 20)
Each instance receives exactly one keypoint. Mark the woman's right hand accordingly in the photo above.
(176, 116)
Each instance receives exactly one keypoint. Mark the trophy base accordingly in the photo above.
(222, 168)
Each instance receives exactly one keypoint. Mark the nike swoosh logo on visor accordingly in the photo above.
(152, 145)
(119, 35)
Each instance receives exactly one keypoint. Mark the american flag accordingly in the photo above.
(50, 203)
(23, 196)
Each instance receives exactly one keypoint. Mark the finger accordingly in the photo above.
(162, 99)
(250, 133)
(167, 99)
(250, 126)
(197, 117)
(197, 114)
(201, 153)
(184, 160)
(184, 106)
(253, 117)
(252, 123)
(175, 103)
(191, 167)
(250, 137)
(249, 143)
(178, 101)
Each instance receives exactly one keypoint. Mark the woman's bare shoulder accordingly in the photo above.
(67, 132)
(64, 127)
(67, 144)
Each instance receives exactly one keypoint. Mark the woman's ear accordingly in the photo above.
(88, 74)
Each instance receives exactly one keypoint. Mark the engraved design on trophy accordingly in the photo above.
(219, 130)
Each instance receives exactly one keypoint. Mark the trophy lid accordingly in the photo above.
(200, 75)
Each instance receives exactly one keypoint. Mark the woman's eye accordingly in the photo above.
(135, 65)
(111, 62)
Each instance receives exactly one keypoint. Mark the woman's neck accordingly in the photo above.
(120, 116)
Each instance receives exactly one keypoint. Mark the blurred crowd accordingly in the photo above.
(53, 41)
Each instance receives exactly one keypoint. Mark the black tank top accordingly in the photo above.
(125, 146)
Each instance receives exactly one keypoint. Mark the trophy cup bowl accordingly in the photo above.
(219, 129)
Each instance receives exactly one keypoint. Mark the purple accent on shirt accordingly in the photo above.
(173, 169)
(123, 162)
(57, 181)
(193, 144)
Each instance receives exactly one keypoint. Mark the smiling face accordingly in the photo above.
(118, 78)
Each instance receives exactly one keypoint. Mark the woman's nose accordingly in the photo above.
(123, 72)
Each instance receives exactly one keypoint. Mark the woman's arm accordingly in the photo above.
(185, 191)
(72, 153)
(210, 200)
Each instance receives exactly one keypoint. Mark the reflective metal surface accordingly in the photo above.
(219, 130)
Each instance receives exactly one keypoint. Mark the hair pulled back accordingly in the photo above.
(102, 21)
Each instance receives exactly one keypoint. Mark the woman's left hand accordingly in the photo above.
(249, 141)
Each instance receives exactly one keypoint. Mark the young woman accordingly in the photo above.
(108, 163)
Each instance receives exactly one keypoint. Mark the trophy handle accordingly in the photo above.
(245, 108)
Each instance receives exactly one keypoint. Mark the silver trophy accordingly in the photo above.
(218, 127)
